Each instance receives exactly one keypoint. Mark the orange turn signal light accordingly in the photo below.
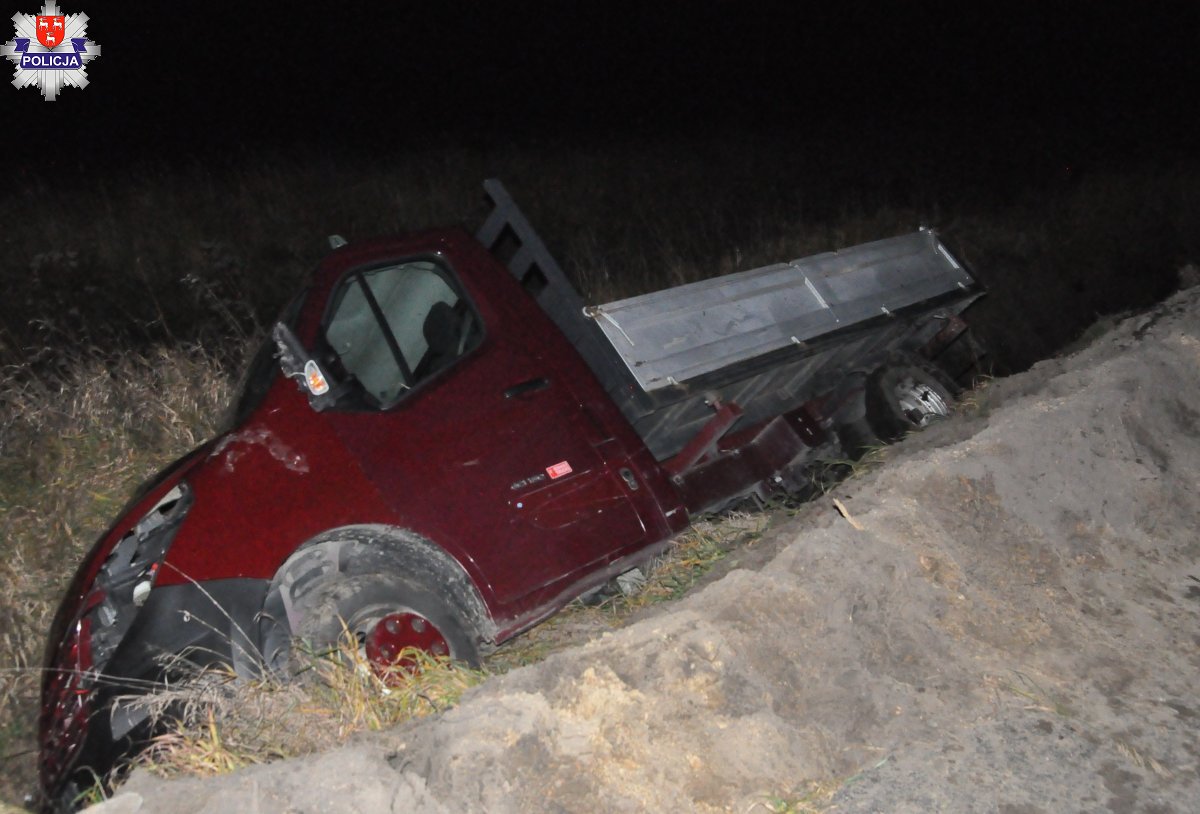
(317, 384)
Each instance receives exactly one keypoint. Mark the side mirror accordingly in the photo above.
(296, 364)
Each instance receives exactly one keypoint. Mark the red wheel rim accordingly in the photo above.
(396, 631)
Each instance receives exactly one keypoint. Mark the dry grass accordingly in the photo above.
(814, 799)
(218, 723)
(685, 563)
(813, 796)
(73, 446)
(356, 696)
(1036, 698)
(691, 556)
(976, 401)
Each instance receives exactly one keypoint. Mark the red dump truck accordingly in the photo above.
(440, 446)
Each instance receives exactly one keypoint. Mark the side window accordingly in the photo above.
(392, 327)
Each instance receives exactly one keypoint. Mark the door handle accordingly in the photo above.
(531, 386)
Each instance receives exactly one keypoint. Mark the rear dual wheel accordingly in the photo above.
(899, 398)
(903, 398)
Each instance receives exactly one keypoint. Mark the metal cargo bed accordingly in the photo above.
(768, 339)
(678, 335)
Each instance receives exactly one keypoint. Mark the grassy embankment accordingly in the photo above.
(130, 302)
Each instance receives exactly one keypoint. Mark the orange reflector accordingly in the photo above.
(315, 379)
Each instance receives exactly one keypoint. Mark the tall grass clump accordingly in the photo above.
(215, 722)
(75, 442)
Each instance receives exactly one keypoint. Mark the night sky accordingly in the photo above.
(1090, 82)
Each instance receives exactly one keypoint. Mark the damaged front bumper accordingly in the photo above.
(117, 636)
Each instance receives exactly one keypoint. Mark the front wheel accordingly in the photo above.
(901, 398)
(385, 614)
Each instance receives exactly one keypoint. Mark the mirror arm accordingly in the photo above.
(297, 365)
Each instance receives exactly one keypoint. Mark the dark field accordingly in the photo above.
(207, 252)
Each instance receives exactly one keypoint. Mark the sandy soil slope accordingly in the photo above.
(1014, 628)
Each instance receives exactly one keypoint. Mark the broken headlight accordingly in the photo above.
(125, 579)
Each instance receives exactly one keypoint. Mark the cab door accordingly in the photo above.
(471, 440)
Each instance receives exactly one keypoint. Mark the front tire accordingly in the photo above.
(385, 613)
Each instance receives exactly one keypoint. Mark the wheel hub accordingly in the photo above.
(920, 402)
(387, 638)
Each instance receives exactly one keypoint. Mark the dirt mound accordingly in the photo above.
(1005, 620)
